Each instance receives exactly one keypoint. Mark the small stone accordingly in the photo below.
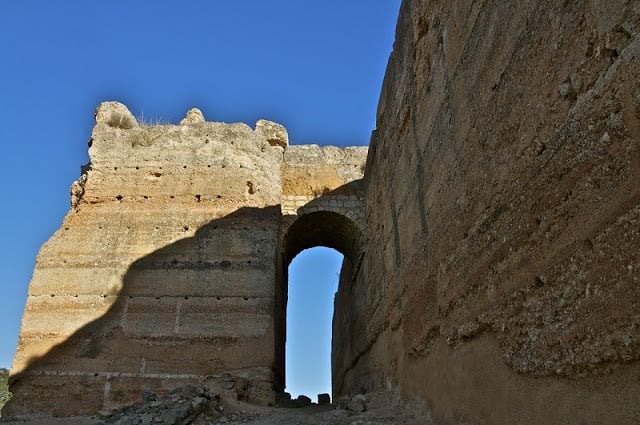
(193, 116)
(303, 400)
(324, 398)
(565, 89)
(148, 396)
(115, 114)
(77, 190)
(273, 132)
(357, 403)
(341, 403)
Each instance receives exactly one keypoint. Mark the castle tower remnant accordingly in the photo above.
(164, 270)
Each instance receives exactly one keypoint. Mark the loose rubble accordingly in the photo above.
(191, 405)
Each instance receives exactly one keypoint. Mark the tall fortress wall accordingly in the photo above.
(492, 248)
(503, 214)
(164, 270)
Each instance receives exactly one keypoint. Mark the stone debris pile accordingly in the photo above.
(182, 406)
(198, 406)
(192, 405)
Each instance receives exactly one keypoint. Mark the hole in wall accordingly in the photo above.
(313, 282)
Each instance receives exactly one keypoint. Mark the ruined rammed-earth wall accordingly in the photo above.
(503, 214)
(169, 267)
(492, 262)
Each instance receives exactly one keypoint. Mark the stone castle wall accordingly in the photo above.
(164, 271)
(503, 212)
(492, 250)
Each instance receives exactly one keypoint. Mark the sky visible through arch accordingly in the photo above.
(316, 67)
(313, 282)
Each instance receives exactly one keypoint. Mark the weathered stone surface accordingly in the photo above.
(167, 270)
(273, 132)
(491, 250)
(116, 115)
(502, 208)
(193, 116)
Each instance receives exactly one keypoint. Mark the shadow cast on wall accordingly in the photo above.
(199, 310)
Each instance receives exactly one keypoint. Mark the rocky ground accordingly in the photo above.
(190, 405)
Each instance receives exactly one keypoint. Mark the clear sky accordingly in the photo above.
(313, 281)
(314, 66)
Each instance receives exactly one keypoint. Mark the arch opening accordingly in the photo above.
(318, 229)
(313, 282)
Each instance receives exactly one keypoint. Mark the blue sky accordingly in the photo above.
(314, 66)
(313, 281)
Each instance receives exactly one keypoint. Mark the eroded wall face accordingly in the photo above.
(170, 267)
(162, 273)
(503, 215)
